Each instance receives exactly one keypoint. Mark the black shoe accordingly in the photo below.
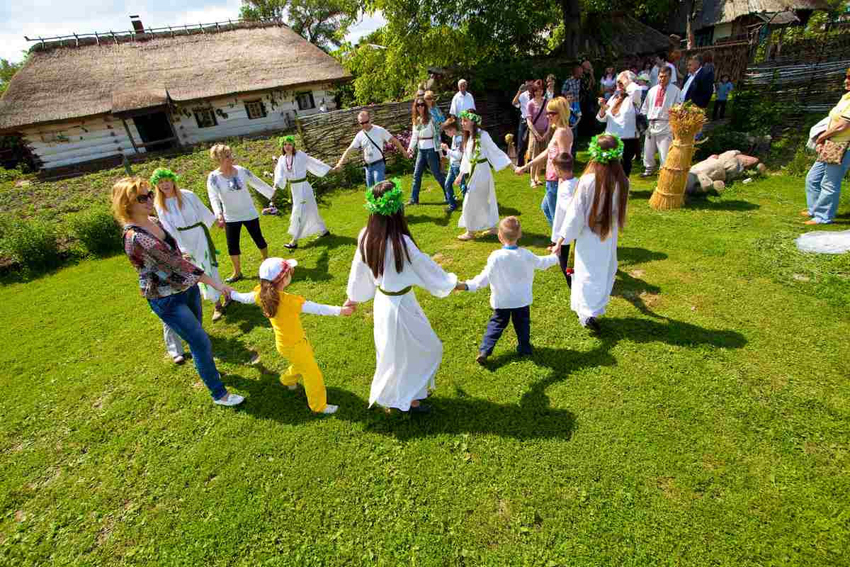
(481, 358)
(234, 278)
(451, 209)
(593, 326)
(421, 408)
(291, 246)
(326, 233)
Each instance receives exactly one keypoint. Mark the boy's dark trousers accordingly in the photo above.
(499, 322)
(563, 260)
(719, 110)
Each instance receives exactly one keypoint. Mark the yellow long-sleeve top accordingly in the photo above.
(287, 321)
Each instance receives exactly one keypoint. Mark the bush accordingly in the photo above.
(802, 162)
(97, 231)
(32, 244)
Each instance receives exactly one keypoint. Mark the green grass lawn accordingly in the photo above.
(708, 425)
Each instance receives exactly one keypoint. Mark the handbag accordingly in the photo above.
(832, 153)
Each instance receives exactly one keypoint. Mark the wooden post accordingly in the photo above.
(129, 135)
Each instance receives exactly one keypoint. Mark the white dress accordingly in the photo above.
(596, 259)
(480, 210)
(408, 351)
(305, 219)
(190, 228)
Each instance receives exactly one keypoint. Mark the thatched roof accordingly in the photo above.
(60, 83)
(612, 35)
(715, 12)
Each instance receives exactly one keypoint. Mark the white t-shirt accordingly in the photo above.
(522, 104)
(229, 196)
(376, 134)
(510, 274)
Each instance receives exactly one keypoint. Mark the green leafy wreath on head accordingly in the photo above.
(605, 156)
(388, 204)
(163, 174)
(470, 116)
(288, 139)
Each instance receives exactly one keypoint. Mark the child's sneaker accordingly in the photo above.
(329, 409)
(481, 358)
(229, 400)
(292, 387)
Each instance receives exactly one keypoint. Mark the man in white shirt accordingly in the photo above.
(510, 274)
(462, 100)
(521, 101)
(656, 107)
(371, 140)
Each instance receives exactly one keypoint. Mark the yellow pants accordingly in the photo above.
(303, 365)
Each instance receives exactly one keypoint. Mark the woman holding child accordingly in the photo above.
(385, 268)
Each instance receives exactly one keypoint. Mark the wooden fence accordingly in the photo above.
(729, 59)
(327, 135)
(809, 87)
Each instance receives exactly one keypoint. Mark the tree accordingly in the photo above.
(321, 22)
(7, 71)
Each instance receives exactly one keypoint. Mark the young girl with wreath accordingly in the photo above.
(386, 267)
(480, 210)
(292, 168)
(593, 219)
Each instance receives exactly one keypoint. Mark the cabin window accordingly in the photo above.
(256, 109)
(205, 117)
(305, 101)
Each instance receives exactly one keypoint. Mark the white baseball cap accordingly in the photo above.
(271, 268)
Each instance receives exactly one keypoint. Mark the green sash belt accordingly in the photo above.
(294, 181)
(395, 293)
(474, 165)
(210, 244)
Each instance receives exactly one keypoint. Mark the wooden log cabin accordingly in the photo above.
(105, 95)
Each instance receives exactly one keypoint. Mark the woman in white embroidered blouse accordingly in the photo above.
(620, 118)
(425, 138)
(292, 168)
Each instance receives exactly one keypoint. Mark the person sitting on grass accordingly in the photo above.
(510, 274)
(292, 168)
(593, 218)
(283, 310)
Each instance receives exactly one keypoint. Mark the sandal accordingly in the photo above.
(466, 236)
(234, 278)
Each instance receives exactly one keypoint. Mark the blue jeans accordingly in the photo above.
(182, 313)
(433, 161)
(823, 188)
(499, 322)
(449, 187)
(550, 201)
(375, 172)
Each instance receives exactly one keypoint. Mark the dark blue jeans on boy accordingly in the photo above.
(499, 322)
(432, 159)
(449, 187)
(183, 314)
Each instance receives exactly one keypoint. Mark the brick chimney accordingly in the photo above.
(137, 24)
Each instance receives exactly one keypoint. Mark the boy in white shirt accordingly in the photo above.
(510, 274)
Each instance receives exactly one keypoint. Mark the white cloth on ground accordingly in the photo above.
(229, 195)
(407, 350)
(596, 259)
(510, 274)
(305, 219)
(480, 209)
(824, 242)
(193, 241)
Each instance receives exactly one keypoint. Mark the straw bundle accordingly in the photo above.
(686, 120)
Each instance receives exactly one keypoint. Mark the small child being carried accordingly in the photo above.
(510, 274)
(283, 310)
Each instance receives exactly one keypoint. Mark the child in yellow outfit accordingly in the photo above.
(283, 310)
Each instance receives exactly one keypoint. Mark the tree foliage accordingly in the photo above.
(7, 71)
(321, 22)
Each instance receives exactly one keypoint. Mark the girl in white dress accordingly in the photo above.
(292, 168)
(480, 210)
(188, 220)
(386, 266)
(593, 218)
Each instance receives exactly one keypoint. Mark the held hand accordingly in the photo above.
(349, 303)
(220, 222)
(519, 170)
(555, 249)
(335, 169)
(226, 290)
(445, 147)
(457, 182)
(461, 287)
(410, 154)
(347, 310)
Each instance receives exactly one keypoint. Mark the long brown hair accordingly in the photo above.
(466, 135)
(417, 118)
(379, 229)
(269, 298)
(610, 179)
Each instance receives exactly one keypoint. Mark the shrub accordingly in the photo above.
(801, 163)
(97, 231)
(32, 244)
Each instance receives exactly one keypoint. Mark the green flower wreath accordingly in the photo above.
(388, 204)
(163, 174)
(605, 156)
(470, 116)
(289, 139)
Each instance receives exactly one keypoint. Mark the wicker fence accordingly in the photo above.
(327, 135)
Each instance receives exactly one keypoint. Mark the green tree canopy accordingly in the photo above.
(321, 22)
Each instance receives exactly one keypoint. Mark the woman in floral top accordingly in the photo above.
(166, 279)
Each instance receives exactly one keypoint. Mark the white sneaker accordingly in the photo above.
(229, 400)
(329, 409)
(292, 387)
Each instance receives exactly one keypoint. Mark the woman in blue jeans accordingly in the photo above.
(823, 183)
(167, 280)
(426, 139)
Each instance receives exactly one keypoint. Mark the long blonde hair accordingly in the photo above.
(124, 194)
(562, 107)
(269, 298)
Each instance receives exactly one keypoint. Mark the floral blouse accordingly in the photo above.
(162, 269)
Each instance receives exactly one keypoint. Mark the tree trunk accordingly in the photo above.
(571, 11)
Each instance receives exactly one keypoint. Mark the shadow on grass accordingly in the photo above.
(331, 242)
(705, 204)
(647, 194)
(439, 221)
(320, 273)
(627, 255)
